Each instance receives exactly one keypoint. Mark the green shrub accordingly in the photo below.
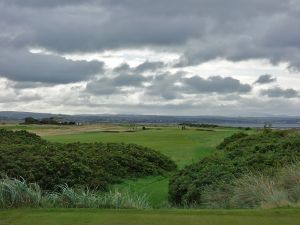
(96, 165)
(241, 154)
(231, 139)
(19, 137)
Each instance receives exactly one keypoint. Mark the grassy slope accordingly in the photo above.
(183, 147)
(156, 189)
(157, 217)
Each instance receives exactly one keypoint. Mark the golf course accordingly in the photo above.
(183, 146)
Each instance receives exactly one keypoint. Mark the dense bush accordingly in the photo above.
(231, 139)
(96, 165)
(19, 137)
(241, 154)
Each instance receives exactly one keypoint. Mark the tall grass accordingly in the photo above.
(16, 193)
(256, 190)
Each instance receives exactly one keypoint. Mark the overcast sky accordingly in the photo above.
(167, 57)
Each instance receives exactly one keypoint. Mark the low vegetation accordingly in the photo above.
(255, 190)
(247, 170)
(16, 193)
(208, 183)
(96, 165)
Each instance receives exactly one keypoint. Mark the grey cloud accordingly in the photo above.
(124, 67)
(108, 86)
(24, 66)
(28, 97)
(10, 95)
(278, 92)
(129, 80)
(199, 28)
(163, 85)
(265, 79)
(44, 3)
(174, 86)
(102, 86)
(208, 106)
(20, 85)
(149, 66)
(146, 66)
(215, 84)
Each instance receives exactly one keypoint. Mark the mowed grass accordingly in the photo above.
(156, 189)
(148, 217)
(183, 146)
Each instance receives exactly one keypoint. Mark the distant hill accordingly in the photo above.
(283, 122)
(15, 115)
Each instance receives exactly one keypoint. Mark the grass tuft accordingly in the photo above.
(16, 193)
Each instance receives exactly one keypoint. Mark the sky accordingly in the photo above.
(155, 57)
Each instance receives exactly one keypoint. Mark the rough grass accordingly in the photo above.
(258, 190)
(148, 217)
(16, 193)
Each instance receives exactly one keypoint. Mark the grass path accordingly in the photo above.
(148, 217)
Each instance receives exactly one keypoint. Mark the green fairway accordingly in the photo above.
(156, 189)
(156, 217)
(183, 146)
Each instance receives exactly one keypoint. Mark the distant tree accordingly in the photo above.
(31, 120)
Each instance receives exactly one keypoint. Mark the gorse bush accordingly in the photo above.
(231, 139)
(16, 193)
(240, 154)
(96, 165)
(19, 137)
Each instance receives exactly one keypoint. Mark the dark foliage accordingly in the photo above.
(240, 154)
(19, 137)
(51, 120)
(231, 139)
(203, 125)
(96, 164)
